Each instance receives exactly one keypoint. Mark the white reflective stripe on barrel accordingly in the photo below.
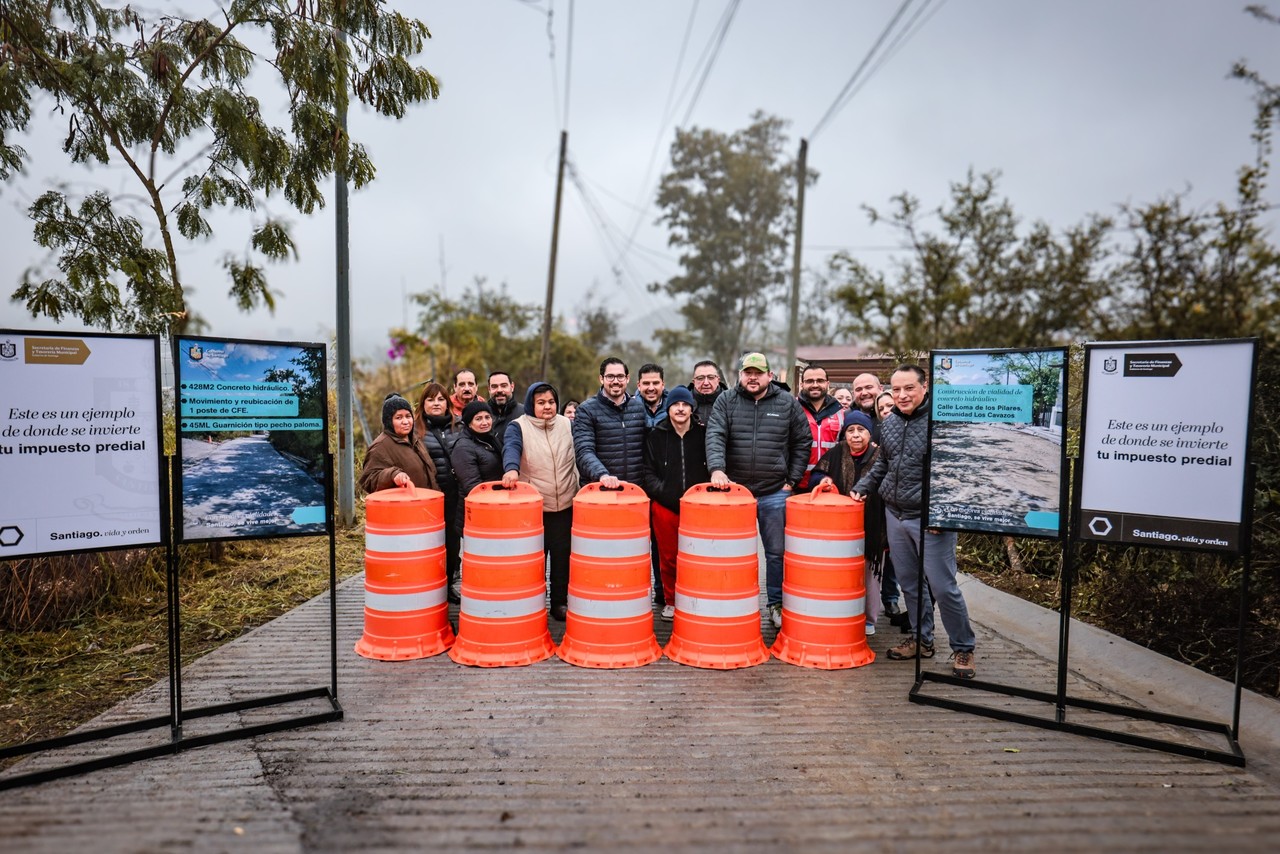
(718, 547)
(496, 608)
(400, 602)
(831, 608)
(404, 542)
(610, 609)
(811, 547)
(506, 547)
(701, 606)
(593, 547)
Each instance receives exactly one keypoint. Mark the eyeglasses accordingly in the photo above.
(705, 378)
(615, 377)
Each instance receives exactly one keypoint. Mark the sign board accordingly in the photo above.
(252, 438)
(1165, 443)
(996, 441)
(80, 443)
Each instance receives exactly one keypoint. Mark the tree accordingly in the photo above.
(978, 282)
(169, 98)
(729, 202)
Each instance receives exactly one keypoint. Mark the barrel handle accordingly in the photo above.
(824, 488)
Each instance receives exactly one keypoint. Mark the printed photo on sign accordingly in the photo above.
(252, 438)
(995, 457)
(1162, 462)
(80, 446)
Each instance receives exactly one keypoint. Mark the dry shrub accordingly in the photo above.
(41, 593)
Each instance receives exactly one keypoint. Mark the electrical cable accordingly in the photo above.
(837, 104)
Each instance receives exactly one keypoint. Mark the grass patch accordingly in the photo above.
(57, 677)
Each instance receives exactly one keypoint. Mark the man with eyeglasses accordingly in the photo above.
(757, 436)
(706, 387)
(824, 414)
(608, 431)
(898, 474)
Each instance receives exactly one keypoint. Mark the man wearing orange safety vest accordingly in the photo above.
(824, 414)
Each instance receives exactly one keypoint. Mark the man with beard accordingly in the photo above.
(823, 413)
(652, 388)
(502, 400)
(758, 437)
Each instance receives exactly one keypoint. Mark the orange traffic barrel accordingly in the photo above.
(502, 621)
(824, 621)
(717, 619)
(406, 614)
(610, 618)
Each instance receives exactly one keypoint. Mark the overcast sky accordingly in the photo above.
(1082, 105)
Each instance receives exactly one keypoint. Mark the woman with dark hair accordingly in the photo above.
(570, 409)
(475, 455)
(843, 466)
(539, 451)
(438, 429)
(396, 457)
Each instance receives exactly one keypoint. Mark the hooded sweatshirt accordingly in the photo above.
(542, 453)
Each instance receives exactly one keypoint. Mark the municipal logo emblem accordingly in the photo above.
(1109, 366)
(196, 352)
(945, 363)
(8, 350)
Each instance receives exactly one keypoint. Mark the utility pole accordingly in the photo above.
(794, 321)
(551, 272)
(346, 453)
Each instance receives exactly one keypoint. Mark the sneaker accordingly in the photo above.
(668, 612)
(962, 665)
(909, 648)
(775, 616)
(871, 629)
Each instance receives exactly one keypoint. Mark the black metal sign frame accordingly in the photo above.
(1060, 698)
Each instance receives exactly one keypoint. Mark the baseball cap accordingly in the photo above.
(755, 360)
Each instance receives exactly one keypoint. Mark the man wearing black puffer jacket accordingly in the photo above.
(608, 431)
(758, 436)
(898, 474)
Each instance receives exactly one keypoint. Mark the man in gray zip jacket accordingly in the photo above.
(758, 436)
(898, 473)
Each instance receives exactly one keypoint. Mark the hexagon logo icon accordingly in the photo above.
(10, 535)
(1100, 526)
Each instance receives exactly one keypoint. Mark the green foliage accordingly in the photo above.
(978, 282)
(485, 330)
(1040, 370)
(308, 447)
(729, 201)
(168, 97)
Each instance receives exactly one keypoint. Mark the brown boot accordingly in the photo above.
(911, 648)
(962, 665)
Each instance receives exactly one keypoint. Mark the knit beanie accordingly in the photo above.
(856, 416)
(390, 406)
(680, 394)
(472, 409)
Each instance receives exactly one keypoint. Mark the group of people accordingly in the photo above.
(865, 441)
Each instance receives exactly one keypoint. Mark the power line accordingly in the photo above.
(839, 102)
(568, 66)
(725, 21)
(904, 35)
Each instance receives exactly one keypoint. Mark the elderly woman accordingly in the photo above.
(843, 466)
(396, 457)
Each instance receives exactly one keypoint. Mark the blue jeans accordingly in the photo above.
(939, 572)
(771, 516)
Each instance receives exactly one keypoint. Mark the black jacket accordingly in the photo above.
(831, 465)
(502, 416)
(898, 473)
(438, 435)
(609, 439)
(761, 444)
(476, 460)
(673, 463)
